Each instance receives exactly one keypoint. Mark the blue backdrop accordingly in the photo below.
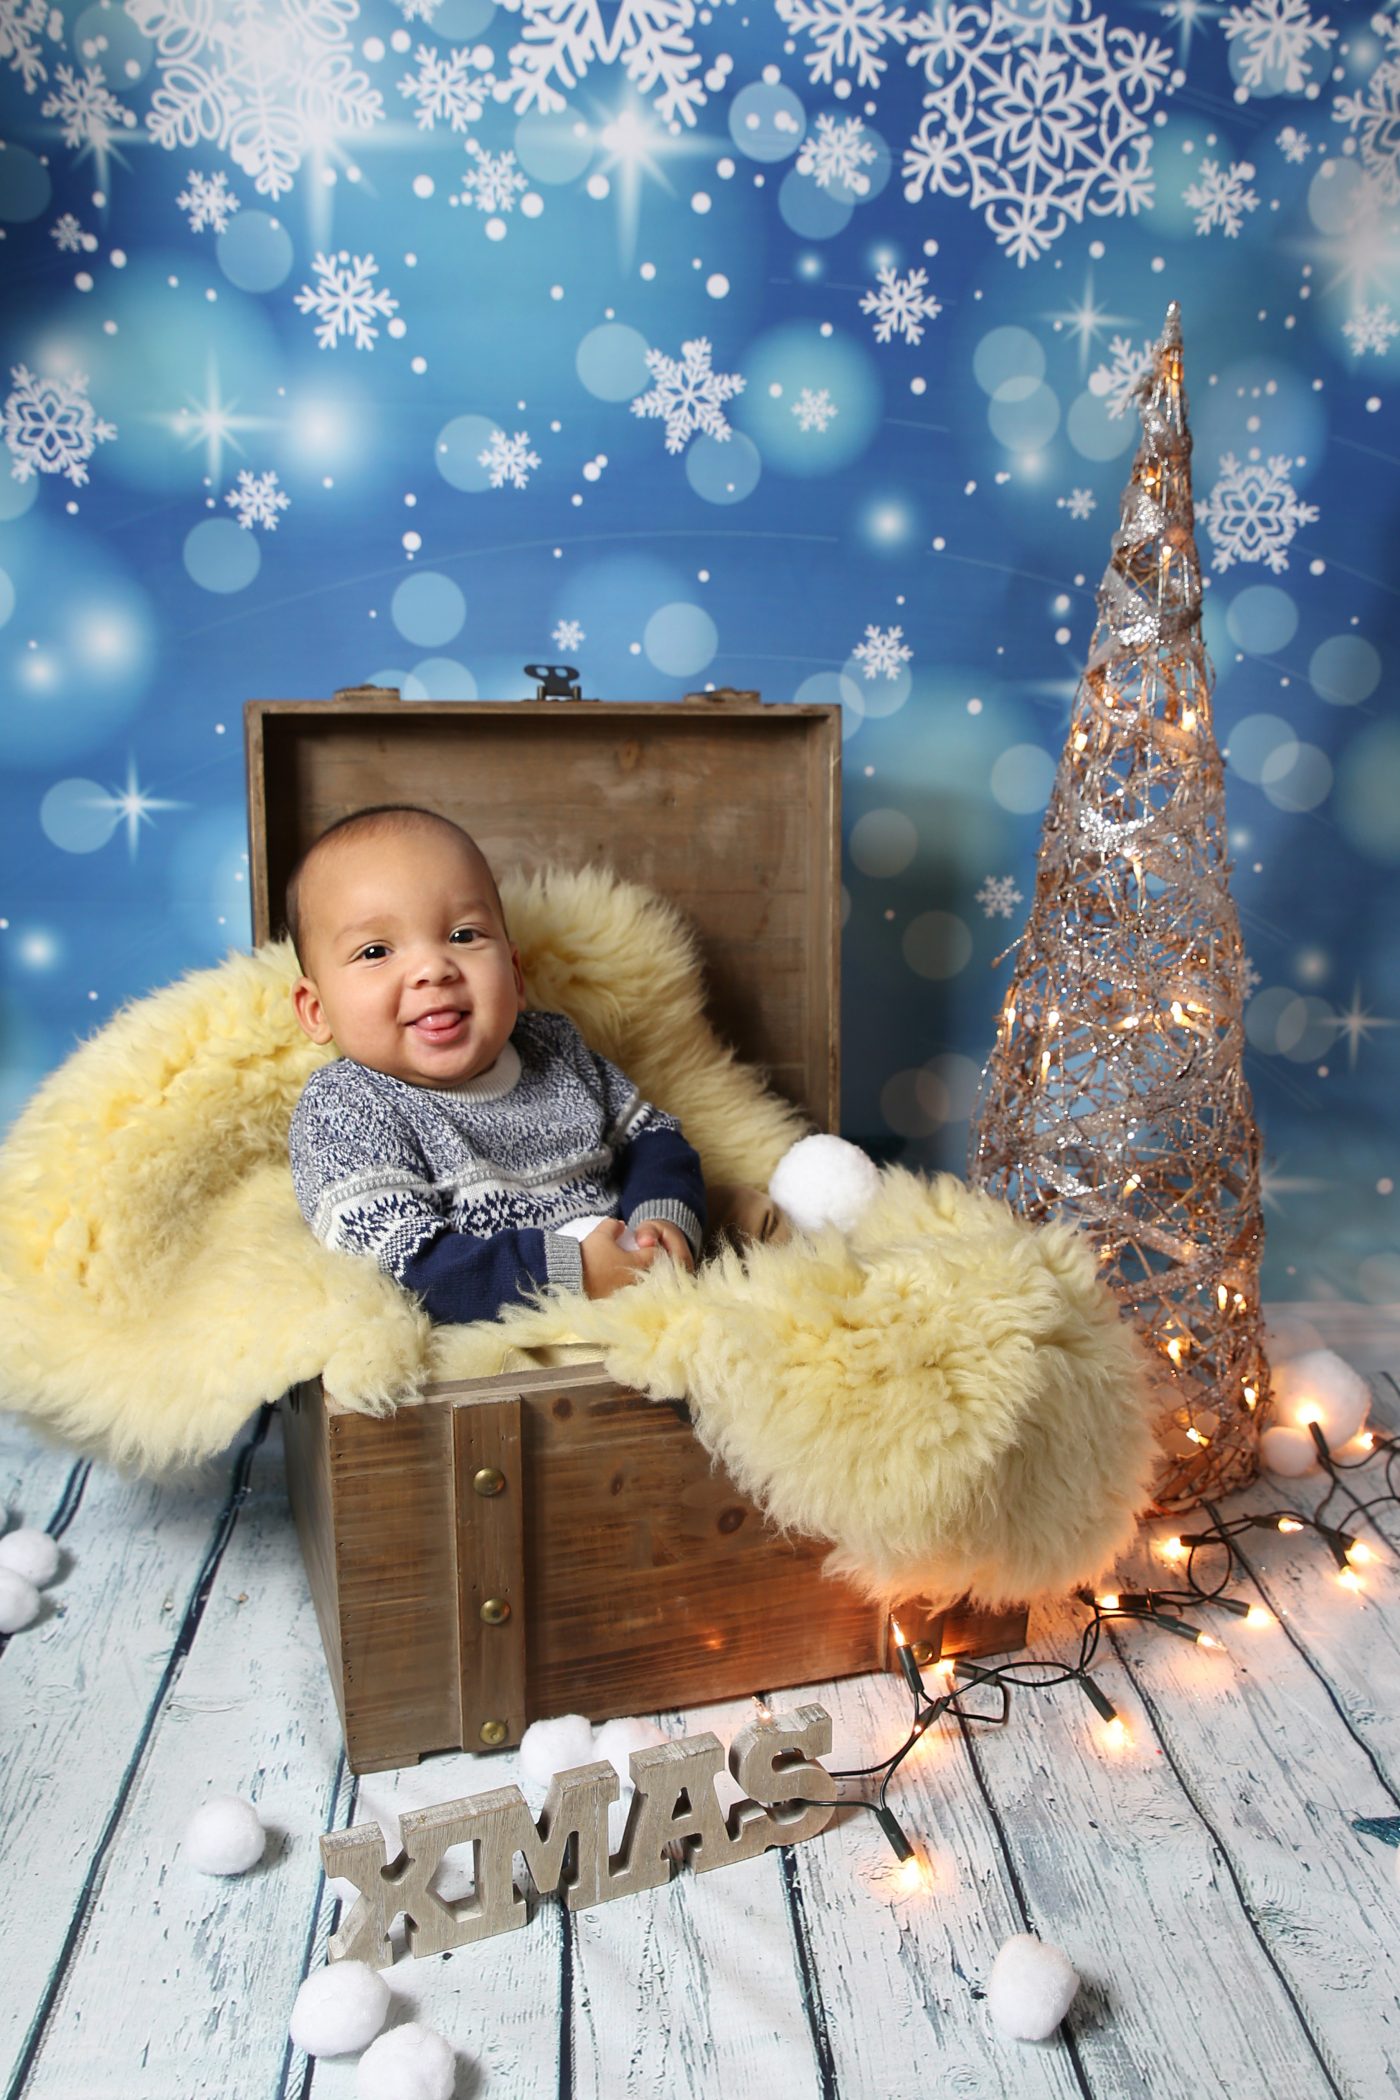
(783, 346)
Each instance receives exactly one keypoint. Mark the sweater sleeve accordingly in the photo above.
(658, 1173)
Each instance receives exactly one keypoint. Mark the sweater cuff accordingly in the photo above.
(666, 1210)
(563, 1261)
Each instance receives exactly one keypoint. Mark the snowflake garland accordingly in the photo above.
(88, 113)
(567, 634)
(900, 304)
(837, 154)
(257, 499)
(208, 201)
(1253, 513)
(561, 39)
(814, 410)
(509, 459)
(345, 299)
(688, 394)
(998, 896)
(453, 89)
(1222, 196)
(1370, 328)
(883, 653)
(493, 181)
(22, 23)
(51, 426)
(1275, 40)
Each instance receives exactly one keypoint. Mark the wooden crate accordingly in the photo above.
(549, 1541)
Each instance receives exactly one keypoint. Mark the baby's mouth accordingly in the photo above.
(440, 1026)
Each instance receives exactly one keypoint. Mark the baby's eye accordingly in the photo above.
(372, 951)
(464, 933)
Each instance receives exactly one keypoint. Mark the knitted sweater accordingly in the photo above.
(460, 1192)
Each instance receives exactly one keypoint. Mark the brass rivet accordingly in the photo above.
(495, 1611)
(922, 1653)
(489, 1480)
(493, 1732)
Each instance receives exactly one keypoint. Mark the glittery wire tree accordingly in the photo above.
(1115, 1098)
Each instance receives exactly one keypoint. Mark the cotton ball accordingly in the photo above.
(407, 2063)
(225, 1836)
(19, 1601)
(1286, 1451)
(824, 1181)
(339, 2009)
(554, 1746)
(1030, 1989)
(1321, 1387)
(616, 1740)
(32, 1554)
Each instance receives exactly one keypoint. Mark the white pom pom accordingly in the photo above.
(339, 2009)
(1030, 1989)
(554, 1746)
(1287, 1452)
(225, 1836)
(19, 1601)
(616, 1740)
(824, 1181)
(1321, 1387)
(32, 1554)
(407, 2063)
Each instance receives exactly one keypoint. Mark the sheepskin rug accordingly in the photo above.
(948, 1395)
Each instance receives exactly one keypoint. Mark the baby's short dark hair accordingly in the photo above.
(380, 817)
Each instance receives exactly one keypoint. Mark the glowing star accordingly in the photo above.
(51, 427)
(1358, 1025)
(134, 806)
(1086, 322)
(687, 394)
(213, 423)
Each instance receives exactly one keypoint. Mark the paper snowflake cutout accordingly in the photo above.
(883, 652)
(51, 426)
(998, 896)
(1222, 196)
(1293, 144)
(814, 410)
(1080, 503)
(257, 499)
(849, 36)
(1036, 112)
(493, 181)
(1252, 513)
(561, 39)
(900, 304)
(1372, 115)
(1117, 382)
(208, 201)
(418, 10)
(688, 394)
(1276, 39)
(265, 82)
(88, 113)
(567, 634)
(509, 459)
(838, 152)
(70, 236)
(22, 23)
(1370, 328)
(345, 299)
(454, 88)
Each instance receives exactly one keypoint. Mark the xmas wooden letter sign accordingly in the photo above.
(674, 1814)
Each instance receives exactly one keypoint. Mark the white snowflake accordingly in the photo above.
(1276, 39)
(814, 410)
(884, 650)
(1252, 513)
(68, 234)
(89, 114)
(1222, 196)
(848, 34)
(418, 10)
(837, 153)
(567, 634)
(493, 181)
(509, 459)
(561, 39)
(1370, 328)
(1372, 114)
(208, 201)
(900, 304)
(345, 300)
(998, 895)
(1250, 980)
(1293, 144)
(1080, 503)
(1117, 382)
(22, 23)
(263, 81)
(688, 394)
(1036, 111)
(455, 88)
(51, 426)
(257, 499)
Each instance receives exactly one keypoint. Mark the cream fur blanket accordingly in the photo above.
(948, 1397)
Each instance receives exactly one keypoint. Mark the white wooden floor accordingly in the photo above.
(1236, 1936)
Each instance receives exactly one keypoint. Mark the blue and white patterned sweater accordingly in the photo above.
(460, 1193)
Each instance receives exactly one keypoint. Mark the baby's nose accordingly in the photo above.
(435, 965)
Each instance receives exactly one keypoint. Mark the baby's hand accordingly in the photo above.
(656, 1234)
(607, 1267)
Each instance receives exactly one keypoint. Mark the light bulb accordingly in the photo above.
(1115, 1734)
(1358, 1553)
(1289, 1524)
(1257, 1616)
(1108, 1602)
(1172, 1549)
(1349, 1579)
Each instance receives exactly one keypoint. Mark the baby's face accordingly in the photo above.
(411, 969)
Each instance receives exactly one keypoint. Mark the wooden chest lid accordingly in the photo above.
(730, 810)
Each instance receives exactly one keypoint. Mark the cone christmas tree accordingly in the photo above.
(1115, 1097)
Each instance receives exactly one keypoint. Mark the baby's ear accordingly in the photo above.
(306, 1002)
(519, 976)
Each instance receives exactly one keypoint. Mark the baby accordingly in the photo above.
(475, 1150)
